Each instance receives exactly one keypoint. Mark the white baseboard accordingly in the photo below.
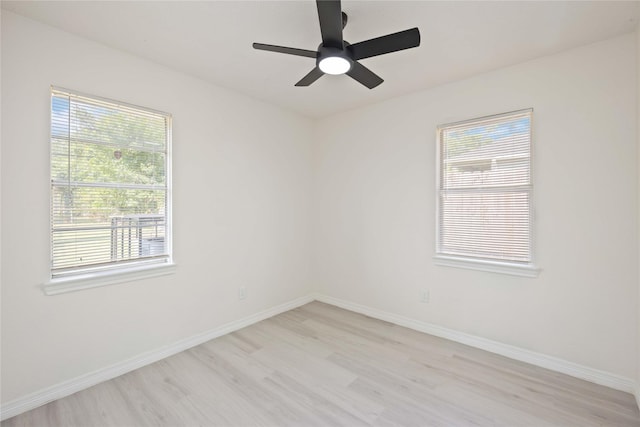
(66, 388)
(538, 359)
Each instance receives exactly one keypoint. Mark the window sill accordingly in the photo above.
(489, 266)
(94, 280)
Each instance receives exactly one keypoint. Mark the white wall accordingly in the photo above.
(244, 168)
(375, 197)
(241, 209)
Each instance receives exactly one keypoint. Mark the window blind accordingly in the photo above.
(484, 206)
(109, 184)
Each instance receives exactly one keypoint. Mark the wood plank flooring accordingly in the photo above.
(320, 365)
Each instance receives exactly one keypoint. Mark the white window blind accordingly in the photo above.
(109, 185)
(485, 189)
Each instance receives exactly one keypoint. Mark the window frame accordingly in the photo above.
(529, 269)
(128, 271)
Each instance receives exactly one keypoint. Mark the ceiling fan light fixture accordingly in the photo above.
(334, 65)
(337, 56)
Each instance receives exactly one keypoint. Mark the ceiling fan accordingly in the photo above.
(336, 56)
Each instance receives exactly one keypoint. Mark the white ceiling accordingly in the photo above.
(212, 40)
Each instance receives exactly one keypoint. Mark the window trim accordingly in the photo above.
(529, 269)
(128, 272)
(103, 278)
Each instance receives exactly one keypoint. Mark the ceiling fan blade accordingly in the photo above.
(386, 44)
(288, 50)
(364, 75)
(313, 75)
(330, 16)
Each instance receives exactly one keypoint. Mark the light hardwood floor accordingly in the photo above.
(319, 365)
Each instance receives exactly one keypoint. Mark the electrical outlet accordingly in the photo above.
(242, 292)
(424, 296)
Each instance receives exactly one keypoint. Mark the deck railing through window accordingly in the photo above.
(137, 236)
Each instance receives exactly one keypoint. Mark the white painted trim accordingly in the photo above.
(538, 359)
(637, 394)
(490, 266)
(111, 277)
(66, 388)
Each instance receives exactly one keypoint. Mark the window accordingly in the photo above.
(110, 187)
(484, 212)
